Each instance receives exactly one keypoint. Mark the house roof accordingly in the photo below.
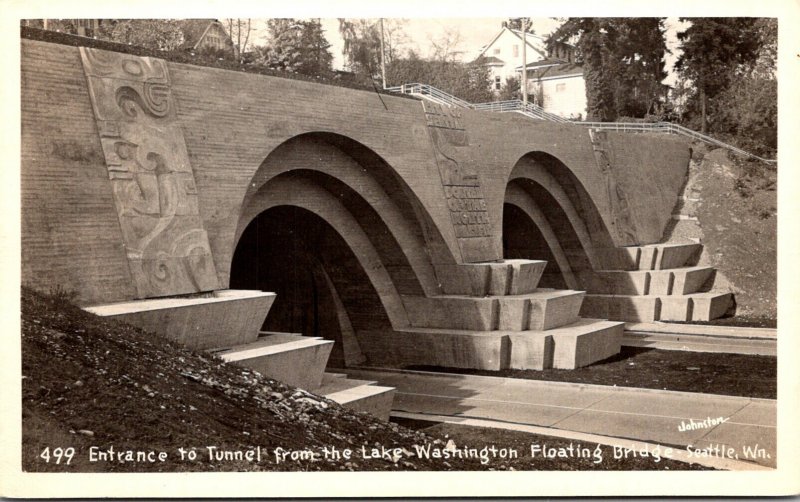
(492, 60)
(559, 70)
(194, 30)
(518, 34)
(544, 62)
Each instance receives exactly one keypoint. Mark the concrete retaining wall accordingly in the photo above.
(232, 122)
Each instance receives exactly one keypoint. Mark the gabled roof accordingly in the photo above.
(194, 30)
(544, 62)
(518, 34)
(491, 60)
(560, 70)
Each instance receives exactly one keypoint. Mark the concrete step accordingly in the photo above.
(661, 256)
(585, 342)
(506, 277)
(579, 343)
(540, 310)
(293, 359)
(573, 346)
(218, 318)
(621, 308)
(359, 395)
(677, 281)
(684, 308)
(696, 307)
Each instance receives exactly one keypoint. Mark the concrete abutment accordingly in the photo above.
(475, 241)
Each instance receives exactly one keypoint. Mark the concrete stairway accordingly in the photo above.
(300, 361)
(661, 282)
(494, 316)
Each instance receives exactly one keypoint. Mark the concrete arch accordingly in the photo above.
(544, 188)
(287, 190)
(372, 192)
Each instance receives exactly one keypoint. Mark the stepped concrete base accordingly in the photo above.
(679, 281)
(507, 277)
(358, 395)
(710, 306)
(683, 308)
(621, 308)
(654, 256)
(542, 309)
(585, 342)
(620, 282)
(293, 359)
(219, 318)
(675, 308)
(577, 344)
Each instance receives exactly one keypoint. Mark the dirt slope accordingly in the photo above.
(735, 203)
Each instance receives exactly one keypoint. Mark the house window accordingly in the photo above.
(497, 84)
(561, 87)
(516, 51)
(497, 50)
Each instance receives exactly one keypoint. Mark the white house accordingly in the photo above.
(555, 82)
(503, 55)
(558, 87)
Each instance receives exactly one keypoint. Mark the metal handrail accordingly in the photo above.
(670, 128)
(537, 112)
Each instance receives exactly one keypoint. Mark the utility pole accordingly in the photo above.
(524, 84)
(383, 58)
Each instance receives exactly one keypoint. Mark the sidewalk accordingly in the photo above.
(748, 425)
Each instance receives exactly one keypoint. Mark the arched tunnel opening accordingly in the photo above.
(322, 289)
(523, 239)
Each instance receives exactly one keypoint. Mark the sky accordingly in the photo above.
(473, 34)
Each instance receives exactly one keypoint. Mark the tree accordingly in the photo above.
(595, 38)
(470, 82)
(510, 90)
(298, 46)
(622, 62)
(515, 23)
(713, 50)
(239, 30)
(161, 34)
(362, 42)
(444, 47)
(639, 59)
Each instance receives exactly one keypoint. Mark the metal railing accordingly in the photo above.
(670, 128)
(515, 105)
(431, 93)
(537, 112)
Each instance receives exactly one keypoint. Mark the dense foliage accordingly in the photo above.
(470, 82)
(298, 46)
(622, 63)
(730, 63)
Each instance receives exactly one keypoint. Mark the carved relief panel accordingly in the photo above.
(460, 181)
(151, 178)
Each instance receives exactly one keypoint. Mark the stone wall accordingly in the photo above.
(431, 166)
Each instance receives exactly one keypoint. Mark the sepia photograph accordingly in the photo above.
(464, 253)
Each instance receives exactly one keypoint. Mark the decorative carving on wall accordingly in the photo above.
(620, 209)
(151, 178)
(462, 186)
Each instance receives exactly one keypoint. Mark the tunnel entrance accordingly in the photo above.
(321, 288)
(523, 239)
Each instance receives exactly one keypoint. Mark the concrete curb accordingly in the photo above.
(680, 454)
(703, 329)
(614, 388)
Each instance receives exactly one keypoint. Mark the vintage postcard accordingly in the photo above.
(418, 250)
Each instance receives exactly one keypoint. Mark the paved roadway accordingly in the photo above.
(637, 414)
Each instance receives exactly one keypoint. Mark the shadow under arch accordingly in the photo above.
(549, 215)
(371, 189)
(331, 228)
